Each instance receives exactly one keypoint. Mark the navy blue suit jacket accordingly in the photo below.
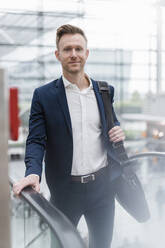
(50, 134)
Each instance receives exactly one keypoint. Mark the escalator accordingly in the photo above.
(35, 223)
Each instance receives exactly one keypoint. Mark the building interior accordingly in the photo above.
(126, 41)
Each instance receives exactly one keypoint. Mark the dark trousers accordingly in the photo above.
(94, 200)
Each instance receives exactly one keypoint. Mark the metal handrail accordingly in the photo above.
(147, 154)
(142, 155)
(61, 227)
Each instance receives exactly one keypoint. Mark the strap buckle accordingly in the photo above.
(103, 87)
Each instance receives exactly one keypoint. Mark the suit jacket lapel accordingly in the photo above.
(63, 102)
(101, 107)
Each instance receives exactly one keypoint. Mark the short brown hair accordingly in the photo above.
(68, 29)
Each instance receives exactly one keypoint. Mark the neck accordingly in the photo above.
(79, 79)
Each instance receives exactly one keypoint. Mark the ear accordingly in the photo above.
(87, 53)
(57, 55)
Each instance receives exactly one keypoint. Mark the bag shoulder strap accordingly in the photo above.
(104, 89)
(118, 147)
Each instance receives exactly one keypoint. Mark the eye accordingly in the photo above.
(67, 49)
(78, 49)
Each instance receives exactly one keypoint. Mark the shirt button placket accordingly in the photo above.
(83, 108)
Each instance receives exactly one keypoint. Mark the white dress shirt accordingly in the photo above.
(88, 153)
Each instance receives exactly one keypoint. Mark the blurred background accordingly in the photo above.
(127, 49)
(126, 39)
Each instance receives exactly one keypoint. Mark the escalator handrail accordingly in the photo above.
(143, 155)
(62, 228)
(147, 154)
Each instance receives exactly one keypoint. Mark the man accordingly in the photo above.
(67, 125)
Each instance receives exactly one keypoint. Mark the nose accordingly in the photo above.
(73, 53)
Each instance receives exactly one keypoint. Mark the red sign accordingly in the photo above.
(13, 113)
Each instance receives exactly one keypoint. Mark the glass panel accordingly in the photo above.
(128, 232)
(28, 229)
(163, 58)
(17, 222)
(140, 71)
(140, 57)
(163, 28)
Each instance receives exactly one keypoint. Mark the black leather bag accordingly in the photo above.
(129, 191)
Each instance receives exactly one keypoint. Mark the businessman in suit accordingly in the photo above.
(68, 129)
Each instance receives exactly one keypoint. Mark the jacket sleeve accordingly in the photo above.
(117, 123)
(36, 140)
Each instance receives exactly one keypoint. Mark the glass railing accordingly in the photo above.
(128, 233)
(35, 223)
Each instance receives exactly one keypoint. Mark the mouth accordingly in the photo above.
(75, 62)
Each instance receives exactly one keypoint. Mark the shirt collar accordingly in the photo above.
(68, 84)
